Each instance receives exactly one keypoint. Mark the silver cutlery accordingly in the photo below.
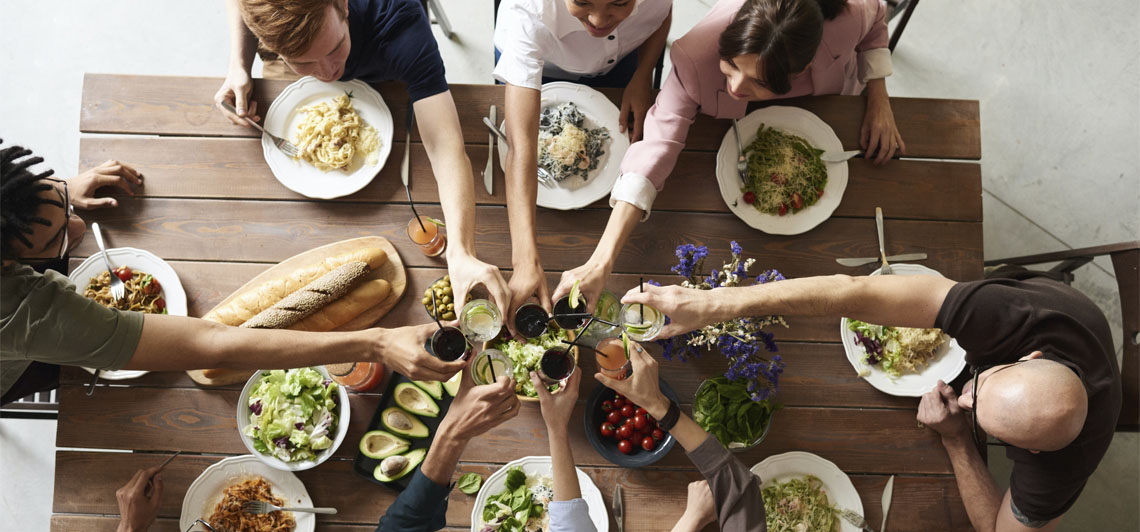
(544, 177)
(854, 518)
(741, 159)
(118, 289)
(886, 269)
(282, 144)
(887, 493)
(860, 261)
(205, 524)
(94, 379)
(262, 507)
(839, 156)
(489, 172)
(619, 514)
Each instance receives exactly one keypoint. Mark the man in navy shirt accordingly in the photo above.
(373, 41)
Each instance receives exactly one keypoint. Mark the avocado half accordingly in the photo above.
(379, 444)
(415, 400)
(414, 427)
(452, 384)
(413, 460)
(433, 388)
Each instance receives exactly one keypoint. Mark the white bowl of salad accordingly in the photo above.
(294, 419)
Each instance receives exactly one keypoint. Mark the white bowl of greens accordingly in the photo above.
(294, 419)
(520, 492)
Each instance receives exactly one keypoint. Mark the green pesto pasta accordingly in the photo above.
(785, 173)
(798, 505)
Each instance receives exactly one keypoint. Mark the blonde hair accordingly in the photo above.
(288, 27)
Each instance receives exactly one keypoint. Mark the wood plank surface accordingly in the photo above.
(229, 168)
(918, 501)
(98, 523)
(270, 231)
(184, 106)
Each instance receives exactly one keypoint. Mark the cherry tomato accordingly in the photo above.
(124, 273)
(648, 443)
(818, 193)
(625, 446)
(627, 410)
(624, 432)
(607, 406)
(642, 411)
(160, 304)
(778, 179)
(639, 422)
(608, 429)
(614, 417)
(783, 209)
(649, 418)
(618, 403)
(152, 288)
(658, 434)
(750, 197)
(797, 201)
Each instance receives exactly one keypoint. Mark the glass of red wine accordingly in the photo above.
(448, 344)
(570, 318)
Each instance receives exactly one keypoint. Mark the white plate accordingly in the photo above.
(797, 122)
(573, 192)
(139, 260)
(539, 465)
(301, 176)
(836, 484)
(948, 361)
(206, 491)
(342, 420)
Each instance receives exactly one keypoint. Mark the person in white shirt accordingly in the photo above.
(568, 510)
(599, 43)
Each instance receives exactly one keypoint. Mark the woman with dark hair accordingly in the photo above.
(744, 51)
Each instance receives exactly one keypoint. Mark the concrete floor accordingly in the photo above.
(1058, 87)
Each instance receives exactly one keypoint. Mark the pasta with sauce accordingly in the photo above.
(332, 133)
(785, 173)
(144, 293)
(229, 516)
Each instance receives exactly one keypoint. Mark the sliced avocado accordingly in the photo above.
(408, 464)
(413, 399)
(433, 388)
(452, 384)
(401, 422)
(379, 444)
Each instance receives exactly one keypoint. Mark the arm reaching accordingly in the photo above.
(238, 85)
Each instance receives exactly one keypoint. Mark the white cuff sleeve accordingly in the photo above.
(874, 64)
(570, 516)
(635, 189)
(520, 71)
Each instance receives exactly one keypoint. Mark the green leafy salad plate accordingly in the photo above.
(519, 494)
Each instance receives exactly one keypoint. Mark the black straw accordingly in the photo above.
(413, 205)
(435, 311)
(641, 289)
(491, 363)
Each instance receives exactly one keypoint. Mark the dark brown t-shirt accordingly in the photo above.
(998, 321)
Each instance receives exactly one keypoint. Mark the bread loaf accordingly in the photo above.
(253, 301)
(310, 298)
(343, 310)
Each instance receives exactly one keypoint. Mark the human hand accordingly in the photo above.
(687, 309)
(635, 102)
(402, 350)
(477, 409)
(593, 277)
(81, 188)
(700, 508)
(557, 407)
(467, 272)
(939, 410)
(643, 387)
(528, 280)
(236, 90)
(879, 131)
(137, 507)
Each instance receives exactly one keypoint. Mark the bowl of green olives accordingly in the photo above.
(444, 299)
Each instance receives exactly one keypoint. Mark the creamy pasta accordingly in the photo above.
(331, 133)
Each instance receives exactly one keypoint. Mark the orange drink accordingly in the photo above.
(357, 376)
(427, 235)
(611, 358)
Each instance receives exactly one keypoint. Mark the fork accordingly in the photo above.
(544, 176)
(854, 519)
(118, 289)
(741, 159)
(886, 269)
(262, 507)
(281, 143)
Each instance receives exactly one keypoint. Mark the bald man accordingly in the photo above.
(1045, 379)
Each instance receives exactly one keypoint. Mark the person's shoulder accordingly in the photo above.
(17, 281)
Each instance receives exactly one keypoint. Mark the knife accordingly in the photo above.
(405, 166)
(841, 156)
(891, 258)
(489, 172)
(618, 513)
(887, 492)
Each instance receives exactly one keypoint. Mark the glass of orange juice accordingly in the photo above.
(428, 235)
(612, 359)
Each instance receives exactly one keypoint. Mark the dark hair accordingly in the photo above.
(784, 33)
(20, 197)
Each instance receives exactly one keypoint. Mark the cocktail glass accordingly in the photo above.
(531, 320)
(427, 235)
(557, 364)
(570, 318)
(481, 320)
(612, 359)
(641, 322)
(448, 344)
(489, 365)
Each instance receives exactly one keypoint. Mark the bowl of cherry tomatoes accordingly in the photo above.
(623, 432)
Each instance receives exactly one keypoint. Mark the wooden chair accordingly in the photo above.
(1126, 265)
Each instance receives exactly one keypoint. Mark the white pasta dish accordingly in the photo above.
(566, 146)
(331, 134)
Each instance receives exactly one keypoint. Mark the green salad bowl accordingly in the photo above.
(735, 446)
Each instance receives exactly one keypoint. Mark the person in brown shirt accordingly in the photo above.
(1045, 378)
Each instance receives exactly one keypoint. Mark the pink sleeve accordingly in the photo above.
(666, 124)
(874, 26)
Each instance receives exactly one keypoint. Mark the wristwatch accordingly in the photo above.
(669, 420)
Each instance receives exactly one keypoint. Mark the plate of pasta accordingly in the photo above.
(579, 144)
(217, 494)
(788, 189)
(803, 491)
(152, 287)
(343, 130)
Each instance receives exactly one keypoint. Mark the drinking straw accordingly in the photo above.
(435, 310)
(641, 289)
(413, 205)
(491, 363)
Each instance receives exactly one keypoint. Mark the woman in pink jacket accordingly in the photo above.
(745, 51)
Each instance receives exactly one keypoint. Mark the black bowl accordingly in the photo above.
(607, 447)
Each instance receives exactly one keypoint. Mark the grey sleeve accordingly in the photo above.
(740, 506)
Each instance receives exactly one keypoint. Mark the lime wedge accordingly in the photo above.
(625, 344)
(434, 221)
(639, 330)
(575, 293)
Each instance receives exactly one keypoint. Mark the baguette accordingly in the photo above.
(343, 310)
(253, 301)
(315, 295)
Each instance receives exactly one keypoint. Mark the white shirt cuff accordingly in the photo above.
(570, 516)
(519, 71)
(874, 64)
(634, 189)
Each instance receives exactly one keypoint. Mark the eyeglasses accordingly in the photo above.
(980, 436)
(61, 234)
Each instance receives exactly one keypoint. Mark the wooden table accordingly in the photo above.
(212, 209)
